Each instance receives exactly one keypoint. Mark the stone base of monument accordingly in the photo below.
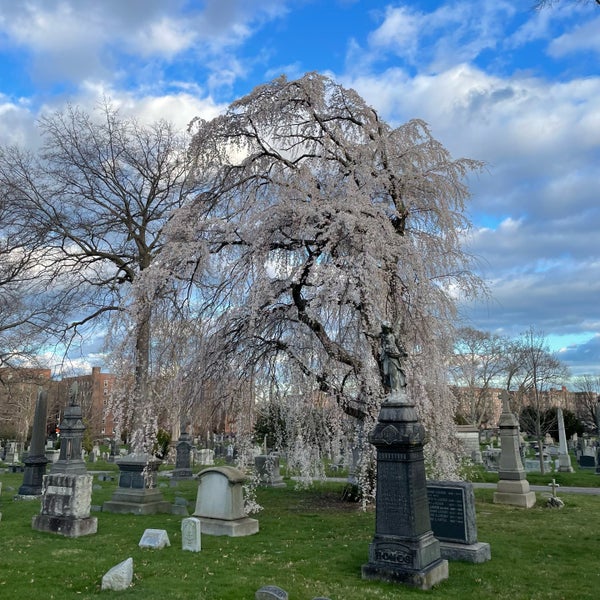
(423, 579)
(516, 493)
(474, 553)
(67, 526)
(413, 562)
(237, 528)
(137, 502)
(65, 508)
(137, 493)
(564, 464)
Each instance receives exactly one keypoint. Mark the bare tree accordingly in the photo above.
(588, 397)
(479, 362)
(328, 222)
(538, 372)
(99, 193)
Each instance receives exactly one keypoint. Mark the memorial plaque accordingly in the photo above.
(452, 511)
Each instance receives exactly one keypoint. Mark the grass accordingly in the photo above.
(310, 543)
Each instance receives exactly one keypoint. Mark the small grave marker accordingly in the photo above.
(191, 534)
(154, 538)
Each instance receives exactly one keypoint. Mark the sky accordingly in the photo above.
(496, 81)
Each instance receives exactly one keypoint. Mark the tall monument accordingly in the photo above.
(513, 487)
(36, 461)
(404, 549)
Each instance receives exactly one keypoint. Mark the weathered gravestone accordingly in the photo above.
(404, 549)
(156, 539)
(271, 592)
(267, 469)
(66, 502)
(119, 577)
(453, 521)
(191, 534)
(564, 459)
(513, 487)
(220, 503)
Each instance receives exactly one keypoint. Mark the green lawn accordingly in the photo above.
(310, 543)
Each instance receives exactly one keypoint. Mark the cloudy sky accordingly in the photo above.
(495, 80)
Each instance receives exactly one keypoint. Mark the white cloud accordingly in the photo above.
(585, 38)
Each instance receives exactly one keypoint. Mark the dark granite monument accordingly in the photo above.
(36, 461)
(404, 549)
(71, 427)
(183, 464)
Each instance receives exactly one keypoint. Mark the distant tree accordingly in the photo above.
(99, 193)
(538, 371)
(588, 397)
(320, 222)
(477, 365)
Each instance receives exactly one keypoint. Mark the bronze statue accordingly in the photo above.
(392, 375)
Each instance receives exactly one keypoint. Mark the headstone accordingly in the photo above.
(453, 521)
(191, 534)
(66, 501)
(587, 462)
(70, 459)
(183, 468)
(36, 461)
(564, 460)
(205, 456)
(220, 503)
(137, 492)
(271, 592)
(267, 470)
(119, 577)
(513, 487)
(469, 438)
(156, 539)
(404, 549)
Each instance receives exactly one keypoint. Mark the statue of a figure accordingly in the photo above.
(392, 375)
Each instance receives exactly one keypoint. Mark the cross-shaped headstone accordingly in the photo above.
(554, 485)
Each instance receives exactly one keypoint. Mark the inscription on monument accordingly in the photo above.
(447, 512)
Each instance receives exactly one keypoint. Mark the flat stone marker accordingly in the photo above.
(119, 577)
(154, 538)
(191, 534)
(271, 592)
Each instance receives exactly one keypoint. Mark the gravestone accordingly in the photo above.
(404, 549)
(220, 503)
(183, 463)
(513, 487)
(564, 460)
(119, 577)
(137, 492)
(36, 461)
(271, 592)
(205, 456)
(453, 521)
(191, 534)
(587, 461)
(156, 539)
(66, 501)
(70, 459)
(267, 470)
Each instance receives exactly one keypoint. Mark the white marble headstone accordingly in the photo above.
(191, 534)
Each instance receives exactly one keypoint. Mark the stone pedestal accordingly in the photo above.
(137, 492)
(404, 549)
(513, 487)
(66, 501)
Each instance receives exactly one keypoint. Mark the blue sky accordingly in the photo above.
(495, 80)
